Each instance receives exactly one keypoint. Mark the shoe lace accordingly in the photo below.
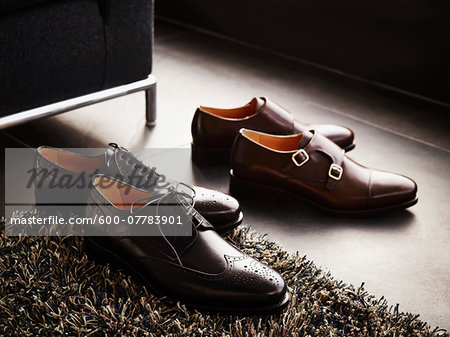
(152, 172)
(183, 199)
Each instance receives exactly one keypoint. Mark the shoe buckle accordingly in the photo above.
(335, 172)
(304, 155)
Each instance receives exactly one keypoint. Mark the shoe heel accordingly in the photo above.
(209, 156)
(247, 189)
(46, 198)
(41, 195)
(45, 204)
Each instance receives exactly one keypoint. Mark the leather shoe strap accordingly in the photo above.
(324, 146)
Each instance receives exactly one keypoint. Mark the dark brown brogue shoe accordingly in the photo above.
(220, 209)
(199, 268)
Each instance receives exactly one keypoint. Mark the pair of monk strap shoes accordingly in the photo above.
(274, 156)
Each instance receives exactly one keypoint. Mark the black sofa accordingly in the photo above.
(62, 50)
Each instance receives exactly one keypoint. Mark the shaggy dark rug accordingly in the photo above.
(49, 287)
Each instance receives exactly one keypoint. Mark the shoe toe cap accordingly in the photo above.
(215, 206)
(390, 189)
(256, 284)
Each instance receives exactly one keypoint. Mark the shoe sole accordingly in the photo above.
(350, 147)
(254, 190)
(104, 256)
(215, 156)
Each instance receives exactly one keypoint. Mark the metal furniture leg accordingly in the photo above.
(150, 105)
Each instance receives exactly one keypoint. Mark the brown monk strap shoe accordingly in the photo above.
(311, 168)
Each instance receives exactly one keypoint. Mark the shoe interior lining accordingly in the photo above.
(242, 112)
(119, 194)
(277, 143)
(72, 161)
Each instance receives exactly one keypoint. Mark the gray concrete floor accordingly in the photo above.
(404, 256)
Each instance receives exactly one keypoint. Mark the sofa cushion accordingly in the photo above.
(52, 52)
(13, 5)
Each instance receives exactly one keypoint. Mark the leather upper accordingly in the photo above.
(213, 128)
(321, 172)
(51, 170)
